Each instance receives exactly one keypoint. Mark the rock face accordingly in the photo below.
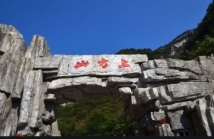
(166, 97)
(172, 49)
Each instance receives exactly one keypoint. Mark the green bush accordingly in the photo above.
(97, 117)
(202, 48)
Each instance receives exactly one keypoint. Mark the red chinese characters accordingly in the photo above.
(124, 63)
(161, 121)
(81, 64)
(103, 63)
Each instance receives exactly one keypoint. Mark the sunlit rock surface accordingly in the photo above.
(165, 97)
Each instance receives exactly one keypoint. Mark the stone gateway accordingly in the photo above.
(166, 97)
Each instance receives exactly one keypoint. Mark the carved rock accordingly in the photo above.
(12, 49)
(121, 80)
(178, 119)
(33, 82)
(205, 110)
(164, 130)
(157, 116)
(55, 130)
(163, 74)
(207, 67)
(105, 65)
(48, 62)
(5, 110)
(174, 92)
(191, 65)
(125, 93)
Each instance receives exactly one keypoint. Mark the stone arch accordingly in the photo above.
(166, 97)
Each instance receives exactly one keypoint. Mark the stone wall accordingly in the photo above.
(166, 97)
(175, 98)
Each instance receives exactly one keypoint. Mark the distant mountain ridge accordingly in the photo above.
(172, 49)
(202, 41)
(188, 45)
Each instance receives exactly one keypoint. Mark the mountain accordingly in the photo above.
(172, 49)
(146, 51)
(201, 43)
(175, 47)
(188, 45)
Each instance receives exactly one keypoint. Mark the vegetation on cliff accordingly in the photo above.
(147, 51)
(205, 47)
(203, 36)
(198, 42)
(170, 50)
(96, 117)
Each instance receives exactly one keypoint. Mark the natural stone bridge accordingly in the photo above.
(166, 97)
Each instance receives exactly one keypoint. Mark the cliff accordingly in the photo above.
(166, 97)
(174, 48)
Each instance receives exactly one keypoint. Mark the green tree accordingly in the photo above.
(205, 47)
(204, 28)
(97, 117)
(146, 51)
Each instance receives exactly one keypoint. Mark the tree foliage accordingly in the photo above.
(146, 51)
(205, 47)
(97, 117)
(162, 52)
(204, 32)
(197, 43)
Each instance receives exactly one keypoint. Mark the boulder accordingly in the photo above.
(177, 105)
(55, 130)
(38, 48)
(5, 111)
(191, 65)
(125, 93)
(157, 116)
(12, 49)
(10, 125)
(66, 82)
(32, 103)
(205, 111)
(164, 130)
(207, 66)
(164, 75)
(111, 81)
(50, 97)
(173, 92)
(105, 65)
(47, 62)
(178, 119)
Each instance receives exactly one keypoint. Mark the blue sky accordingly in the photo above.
(78, 27)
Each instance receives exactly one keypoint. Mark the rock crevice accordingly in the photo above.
(166, 97)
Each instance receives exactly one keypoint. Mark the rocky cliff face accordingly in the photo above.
(174, 48)
(22, 105)
(166, 97)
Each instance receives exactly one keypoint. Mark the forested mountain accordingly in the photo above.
(173, 49)
(147, 51)
(202, 42)
(188, 45)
